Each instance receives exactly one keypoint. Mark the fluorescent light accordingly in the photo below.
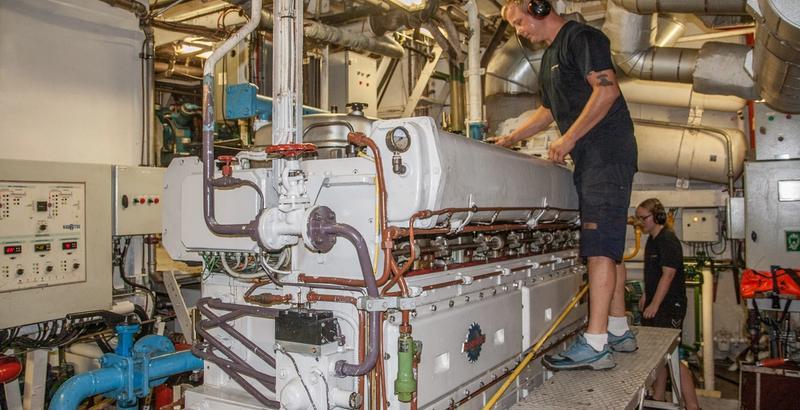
(205, 54)
(188, 49)
(411, 5)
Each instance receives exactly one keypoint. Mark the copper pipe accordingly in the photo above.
(267, 299)
(443, 284)
(360, 139)
(487, 275)
(317, 297)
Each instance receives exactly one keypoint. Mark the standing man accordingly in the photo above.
(579, 91)
(663, 303)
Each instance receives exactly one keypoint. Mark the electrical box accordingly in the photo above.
(776, 134)
(353, 78)
(55, 233)
(138, 200)
(700, 225)
(772, 211)
(735, 218)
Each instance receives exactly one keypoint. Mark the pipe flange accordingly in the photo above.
(316, 236)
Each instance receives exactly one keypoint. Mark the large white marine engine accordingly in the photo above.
(415, 273)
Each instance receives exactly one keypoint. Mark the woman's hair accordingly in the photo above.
(654, 206)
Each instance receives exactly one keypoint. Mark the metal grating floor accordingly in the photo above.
(618, 388)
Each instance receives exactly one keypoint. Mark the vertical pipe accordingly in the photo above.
(456, 98)
(324, 80)
(708, 328)
(287, 84)
(148, 95)
(474, 72)
(208, 126)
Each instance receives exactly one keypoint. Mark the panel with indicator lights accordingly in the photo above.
(41, 233)
(137, 200)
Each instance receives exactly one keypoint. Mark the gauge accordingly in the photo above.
(398, 140)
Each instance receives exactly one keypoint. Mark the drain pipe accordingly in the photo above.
(209, 183)
(475, 119)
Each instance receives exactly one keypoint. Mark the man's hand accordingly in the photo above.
(560, 148)
(505, 141)
(642, 301)
(651, 311)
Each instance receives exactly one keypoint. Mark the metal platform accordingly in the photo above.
(620, 388)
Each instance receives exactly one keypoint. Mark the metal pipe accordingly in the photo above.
(362, 251)
(719, 7)
(384, 45)
(148, 94)
(717, 35)
(78, 388)
(133, 6)
(475, 99)
(208, 130)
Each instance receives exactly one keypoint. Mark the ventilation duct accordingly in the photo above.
(728, 7)
(633, 46)
(776, 62)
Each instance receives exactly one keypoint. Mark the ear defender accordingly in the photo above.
(539, 9)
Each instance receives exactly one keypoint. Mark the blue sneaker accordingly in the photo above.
(581, 356)
(623, 344)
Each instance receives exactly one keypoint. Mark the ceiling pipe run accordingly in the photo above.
(633, 47)
(383, 45)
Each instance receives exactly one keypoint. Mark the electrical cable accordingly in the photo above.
(131, 283)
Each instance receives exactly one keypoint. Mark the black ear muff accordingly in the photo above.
(539, 8)
(660, 214)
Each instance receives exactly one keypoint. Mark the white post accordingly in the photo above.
(708, 329)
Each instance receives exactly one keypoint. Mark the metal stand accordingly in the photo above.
(620, 388)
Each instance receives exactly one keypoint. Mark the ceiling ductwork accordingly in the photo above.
(635, 51)
(719, 7)
(383, 45)
(776, 63)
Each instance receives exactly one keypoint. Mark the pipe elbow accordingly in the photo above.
(78, 388)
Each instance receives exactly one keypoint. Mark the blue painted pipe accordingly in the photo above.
(114, 379)
(80, 387)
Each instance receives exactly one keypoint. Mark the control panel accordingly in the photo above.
(137, 200)
(700, 225)
(42, 234)
(55, 240)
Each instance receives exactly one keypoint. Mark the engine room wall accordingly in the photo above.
(70, 82)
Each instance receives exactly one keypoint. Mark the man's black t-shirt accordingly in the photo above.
(576, 51)
(664, 250)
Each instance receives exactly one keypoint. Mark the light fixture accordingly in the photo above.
(411, 5)
(205, 54)
(188, 48)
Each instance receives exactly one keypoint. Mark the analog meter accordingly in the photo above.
(398, 140)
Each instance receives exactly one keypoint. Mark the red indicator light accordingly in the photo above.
(155, 200)
(12, 249)
(141, 200)
(68, 246)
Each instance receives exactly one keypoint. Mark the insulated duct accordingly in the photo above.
(511, 71)
(776, 62)
(633, 46)
(728, 7)
(384, 45)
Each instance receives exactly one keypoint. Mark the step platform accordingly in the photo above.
(622, 387)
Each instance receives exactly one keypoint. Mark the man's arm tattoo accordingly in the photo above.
(604, 81)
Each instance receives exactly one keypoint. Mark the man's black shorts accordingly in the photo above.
(670, 315)
(604, 195)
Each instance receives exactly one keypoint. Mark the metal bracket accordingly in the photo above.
(383, 304)
(181, 311)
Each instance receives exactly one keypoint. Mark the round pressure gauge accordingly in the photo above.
(398, 140)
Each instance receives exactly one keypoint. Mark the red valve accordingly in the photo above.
(291, 150)
(227, 169)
